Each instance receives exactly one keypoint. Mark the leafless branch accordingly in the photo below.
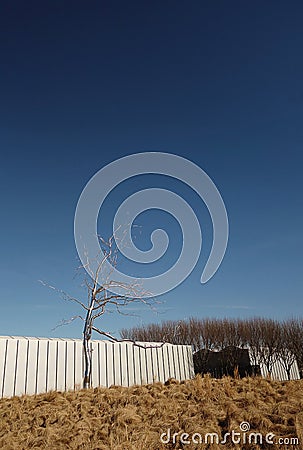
(102, 298)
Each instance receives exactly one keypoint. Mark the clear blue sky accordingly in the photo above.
(84, 83)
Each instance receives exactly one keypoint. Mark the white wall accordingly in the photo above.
(36, 365)
(278, 371)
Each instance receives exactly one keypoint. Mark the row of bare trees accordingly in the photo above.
(268, 339)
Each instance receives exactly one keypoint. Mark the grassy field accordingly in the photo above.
(135, 418)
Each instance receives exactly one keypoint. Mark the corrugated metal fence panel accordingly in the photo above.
(278, 370)
(3, 345)
(9, 368)
(20, 380)
(51, 373)
(32, 366)
(36, 365)
(294, 372)
(125, 364)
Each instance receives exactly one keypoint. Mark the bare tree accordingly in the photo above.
(295, 340)
(105, 295)
(286, 343)
(230, 342)
(204, 337)
(270, 342)
(252, 338)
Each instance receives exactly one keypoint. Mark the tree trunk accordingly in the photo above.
(87, 333)
(87, 363)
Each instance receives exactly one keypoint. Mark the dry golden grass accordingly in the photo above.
(134, 418)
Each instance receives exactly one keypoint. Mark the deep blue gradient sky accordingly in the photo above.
(84, 83)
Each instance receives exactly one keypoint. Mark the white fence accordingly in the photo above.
(36, 365)
(278, 371)
(247, 361)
